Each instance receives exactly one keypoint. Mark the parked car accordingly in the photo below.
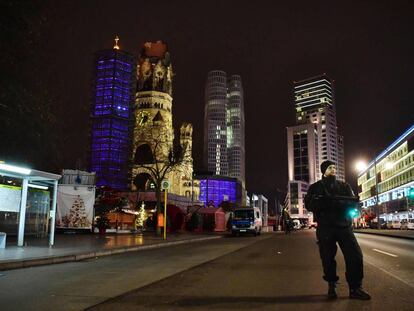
(395, 224)
(407, 224)
(374, 224)
(410, 224)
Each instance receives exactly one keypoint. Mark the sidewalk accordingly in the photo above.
(404, 234)
(75, 247)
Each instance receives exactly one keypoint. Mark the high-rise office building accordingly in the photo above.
(111, 116)
(315, 103)
(224, 150)
(235, 129)
(215, 123)
(303, 157)
(313, 139)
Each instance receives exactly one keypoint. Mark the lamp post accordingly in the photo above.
(376, 195)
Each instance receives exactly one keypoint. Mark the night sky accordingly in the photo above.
(367, 47)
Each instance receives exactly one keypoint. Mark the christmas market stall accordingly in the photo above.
(214, 219)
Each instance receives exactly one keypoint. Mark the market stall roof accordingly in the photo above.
(210, 210)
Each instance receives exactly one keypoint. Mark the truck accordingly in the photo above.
(247, 220)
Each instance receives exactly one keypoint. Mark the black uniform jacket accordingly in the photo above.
(331, 202)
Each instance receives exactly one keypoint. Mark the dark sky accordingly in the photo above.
(367, 47)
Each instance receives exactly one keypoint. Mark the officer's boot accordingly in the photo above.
(358, 293)
(332, 290)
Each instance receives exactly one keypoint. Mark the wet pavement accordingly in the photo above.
(74, 247)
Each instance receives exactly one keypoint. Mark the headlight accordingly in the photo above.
(234, 227)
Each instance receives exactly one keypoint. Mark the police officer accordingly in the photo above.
(329, 200)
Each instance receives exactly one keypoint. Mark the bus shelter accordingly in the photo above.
(34, 179)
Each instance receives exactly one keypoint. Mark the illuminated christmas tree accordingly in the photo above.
(142, 215)
(77, 217)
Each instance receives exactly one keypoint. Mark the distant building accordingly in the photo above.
(235, 129)
(261, 202)
(215, 123)
(112, 117)
(303, 153)
(295, 199)
(217, 189)
(315, 103)
(391, 173)
(224, 143)
(312, 140)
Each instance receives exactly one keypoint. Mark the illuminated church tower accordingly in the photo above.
(153, 130)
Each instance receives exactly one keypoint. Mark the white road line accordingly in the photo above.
(382, 252)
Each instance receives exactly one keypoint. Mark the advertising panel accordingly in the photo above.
(10, 197)
(75, 207)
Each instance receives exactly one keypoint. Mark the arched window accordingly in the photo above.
(143, 155)
(143, 182)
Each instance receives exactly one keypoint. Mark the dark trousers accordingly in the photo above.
(327, 238)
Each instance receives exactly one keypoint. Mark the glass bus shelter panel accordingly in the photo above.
(37, 211)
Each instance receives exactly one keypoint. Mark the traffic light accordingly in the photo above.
(411, 193)
(354, 213)
(410, 197)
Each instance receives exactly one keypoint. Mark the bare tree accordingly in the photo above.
(157, 154)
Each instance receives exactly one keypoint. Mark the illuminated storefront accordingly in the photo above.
(389, 178)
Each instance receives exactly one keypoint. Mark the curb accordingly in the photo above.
(386, 235)
(26, 263)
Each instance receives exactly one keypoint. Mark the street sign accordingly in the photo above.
(165, 185)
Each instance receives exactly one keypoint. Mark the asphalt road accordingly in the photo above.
(280, 273)
(392, 256)
(78, 285)
(272, 272)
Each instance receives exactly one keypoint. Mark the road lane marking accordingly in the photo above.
(382, 252)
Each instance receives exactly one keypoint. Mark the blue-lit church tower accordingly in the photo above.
(112, 116)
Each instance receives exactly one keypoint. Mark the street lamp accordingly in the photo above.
(362, 166)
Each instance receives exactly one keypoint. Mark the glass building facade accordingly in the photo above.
(224, 148)
(235, 128)
(112, 117)
(215, 123)
(214, 190)
(391, 175)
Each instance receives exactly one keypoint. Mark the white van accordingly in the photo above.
(247, 220)
(296, 224)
